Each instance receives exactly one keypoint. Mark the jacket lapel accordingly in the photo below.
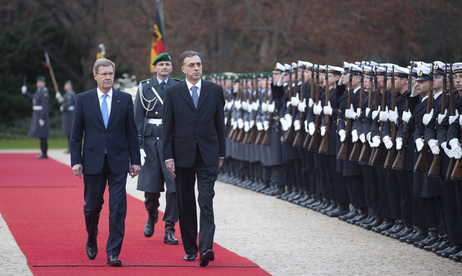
(114, 106)
(95, 102)
(184, 92)
(203, 94)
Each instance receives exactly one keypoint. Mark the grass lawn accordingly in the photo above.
(29, 143)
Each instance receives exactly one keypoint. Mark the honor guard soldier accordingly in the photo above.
(153, 174)
(67, 102)
(39, 126)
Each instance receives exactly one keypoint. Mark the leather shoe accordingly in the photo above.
(189, 257)
(206, 257)
(149, 227)
(113, 260)
(169, 238)
(91, 252)
(41, 157)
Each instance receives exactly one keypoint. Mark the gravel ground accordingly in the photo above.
(283, 239)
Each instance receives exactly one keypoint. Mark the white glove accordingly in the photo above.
(288, 104)
(393, 116)
(245, 105)
(375, 141)
(399, 143)
(295, 100)
(234, 124)
(59, 97)
(441, 116)
(246, 126)
(271, 107)
(285, 126)
(350, 113)
(387, 142)
(452, 119)
(323, 130)
(383, 115)
(455, 148)
(288, 119)
(311, 128)
(240, 123)
(302, 106)
(255, 105)
(306, 126)
(406, 116)
(310, 103)
(237, 104)
(354, 136)
(362, 138)
(447, 150)
(264, 107)
(433, 144)
(375, 113)
(419, 143)
(24, 89)
(368, 110)
(259, 126)
(358, 112)
(41, 122)
(142, 156)
(297, 125)
(317, 108)
(229, 105)
(252, 123)
(427, 117)
(265, 125)
(328, 109)
(342, 135)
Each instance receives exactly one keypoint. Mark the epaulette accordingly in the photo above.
(177, 79)
(145, 81)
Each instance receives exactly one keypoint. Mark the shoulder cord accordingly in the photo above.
(148, 108)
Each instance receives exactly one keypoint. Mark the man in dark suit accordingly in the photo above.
(194, 146)
(149, 106)
(106, 117)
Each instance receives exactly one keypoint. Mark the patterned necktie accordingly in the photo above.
(162, 85)
(195, 97)
(104, 110)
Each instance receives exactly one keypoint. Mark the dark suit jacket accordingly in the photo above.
(120, 138)
(186, 129)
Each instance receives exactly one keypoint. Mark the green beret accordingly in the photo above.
(68, 82)
(41, 78)
(162, 57)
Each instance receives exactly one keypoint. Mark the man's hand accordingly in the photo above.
(24, 89)
(220, 163)
(134, 170)
(41, 122)
(143, 156)
(77, 170)
(171, 167)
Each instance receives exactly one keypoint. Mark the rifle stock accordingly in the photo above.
(456, 174)
(343, 151)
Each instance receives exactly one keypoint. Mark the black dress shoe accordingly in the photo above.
(419, 236)
(456, 257)
(113, 260)
(91, 252)
(449, 251)
(206, 257)
(189, 257)
(353, 213)
(169, 238)
(41, 157)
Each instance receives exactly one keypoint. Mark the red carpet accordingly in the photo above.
(42, 203)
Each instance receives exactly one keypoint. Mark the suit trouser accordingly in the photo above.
(95, 184)
(185, 182)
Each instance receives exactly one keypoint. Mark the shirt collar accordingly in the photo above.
(100, 94)
(159, 81)
(198, 85)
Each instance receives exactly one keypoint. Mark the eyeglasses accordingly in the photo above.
(106, 74)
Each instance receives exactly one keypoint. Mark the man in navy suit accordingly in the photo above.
(104, 119)
(194, 146)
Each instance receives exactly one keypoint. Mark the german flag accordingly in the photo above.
(158, 42)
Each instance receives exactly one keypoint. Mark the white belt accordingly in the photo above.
(155, 121)
(70, 108)
(37, 107)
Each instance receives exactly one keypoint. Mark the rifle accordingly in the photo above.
(308, 137)
(399, 160)
(252, 134)
(261, 133)
(452, 110)
(289, 135)
(232, 134)
(421, 163)
(267, 136)
(391, 155)
(376, 107)
(366, 149)
(378, 154)
(324, 147)
(435, 168)
(298, 136)
(229, 115)
(52, 74)
(245, 98)
(313, 145)
(343, 151)
(356, 151)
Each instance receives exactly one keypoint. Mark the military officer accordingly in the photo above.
(39, 126)
(67, 102)
(153, 174)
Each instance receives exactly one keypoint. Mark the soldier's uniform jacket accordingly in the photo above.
(148, 118)
(67, 108)
(40, 101)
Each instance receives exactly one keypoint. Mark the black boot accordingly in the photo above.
(169, 238)
(149, 227)
(91, 222)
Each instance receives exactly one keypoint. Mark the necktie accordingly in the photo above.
(195, 97)
(104, 110)
(162, 85)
